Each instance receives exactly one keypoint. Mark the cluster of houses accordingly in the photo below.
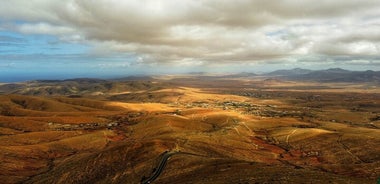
(254, 109)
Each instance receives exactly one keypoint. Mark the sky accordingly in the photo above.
(55, 39)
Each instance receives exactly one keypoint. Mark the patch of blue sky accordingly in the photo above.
(281, 34)
(37, 56)
(276, 33)
(59, 68)
(26, 44)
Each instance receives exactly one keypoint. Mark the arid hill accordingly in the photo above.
(233, 131)
(77, 87)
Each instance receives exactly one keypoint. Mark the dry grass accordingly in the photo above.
(222, 140)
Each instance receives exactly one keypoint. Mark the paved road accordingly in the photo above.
(160, 168)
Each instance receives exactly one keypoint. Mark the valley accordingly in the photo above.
(235, 129)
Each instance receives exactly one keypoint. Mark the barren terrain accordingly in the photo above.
(240, 130)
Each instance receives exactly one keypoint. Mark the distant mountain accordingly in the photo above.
(335, 70)
(78, 80)
(197, 73)
(85, 80)
(135, 78)
(243, 74)
(339, 75)
(332, 74)
(294, 71)
(329, 75)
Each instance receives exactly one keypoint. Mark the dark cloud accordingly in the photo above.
(209, 31)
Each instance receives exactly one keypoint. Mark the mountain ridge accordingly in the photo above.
(327, 75)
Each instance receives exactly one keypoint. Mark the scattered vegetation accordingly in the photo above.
(113, 132)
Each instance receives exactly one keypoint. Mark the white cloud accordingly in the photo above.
(208, 31)
(44, 28)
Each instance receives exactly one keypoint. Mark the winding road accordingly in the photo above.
(160, 167)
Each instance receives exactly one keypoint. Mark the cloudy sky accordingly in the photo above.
(112, 38)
